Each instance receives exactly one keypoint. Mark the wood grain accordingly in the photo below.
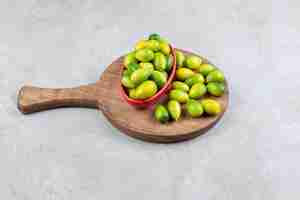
(106, 95)
(34, 99)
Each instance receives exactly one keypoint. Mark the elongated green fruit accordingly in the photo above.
(126, 81)
(197, 78)
(205, 69)
(174, 109)
(154, 36)
(145, 90)
(194, 108)
(197, 91)
(153, 45)
(132, 93)
(129, 58)
(184, 73)
(193, 62)
(160, 61)
(215, 76)
(159, 77)
(211, 107)
(165, 48)
(161, 113)
(140, 75)
(180, 85)
(215, 88)
(144, 55)
(179, 95)
(147, 65)
(180, 58)
(169, 63)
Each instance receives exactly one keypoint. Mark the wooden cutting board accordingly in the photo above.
(105, 94)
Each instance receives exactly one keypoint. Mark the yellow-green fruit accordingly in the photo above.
(161, 113)
(126, 81)
(211, 106)
(197, 91)
(180, 85)
(174, 109)
(159, 78)
(153, 45)
(184, 73)
(132, 67)
(194, 108)
(145, 90)
(165, 48)
(140, 75)
(193, 62)
(129, 58)
(169, 63)
(147, 65)
(144, 55)
(140, 44)
(197, 78)
(127, 73)
(132, 93)
(160, 61)
(165, 74)
(205, 69)
(215, 89)
(154, 36)
(179, 58)
(215, 76)
(179, 95)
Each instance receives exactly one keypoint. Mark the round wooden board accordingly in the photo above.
(106, 95)
(140, 123)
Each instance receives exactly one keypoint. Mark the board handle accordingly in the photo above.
(33, 99)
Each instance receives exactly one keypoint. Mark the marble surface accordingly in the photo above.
(75, 153)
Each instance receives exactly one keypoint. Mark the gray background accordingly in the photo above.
(75, 153)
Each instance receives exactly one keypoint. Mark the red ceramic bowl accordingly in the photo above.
(152, 100)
